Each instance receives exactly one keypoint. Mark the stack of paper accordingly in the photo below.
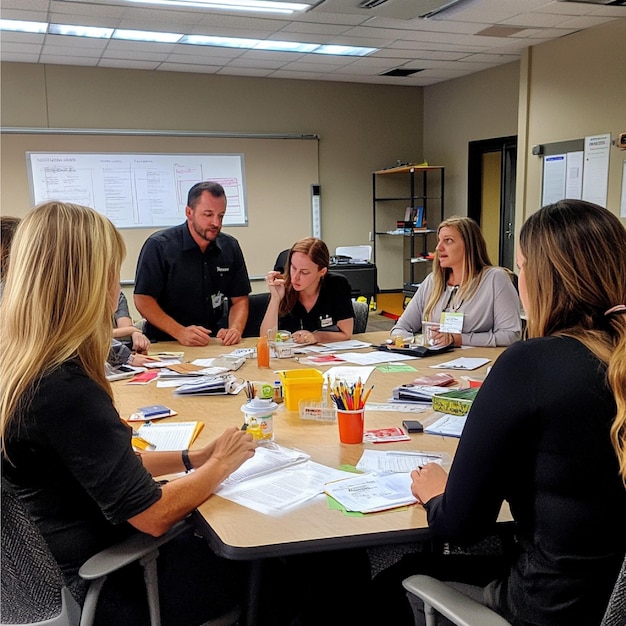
(276, 479)
(209, 386)
(416, 393)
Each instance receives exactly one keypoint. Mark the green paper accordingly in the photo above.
(390, 368)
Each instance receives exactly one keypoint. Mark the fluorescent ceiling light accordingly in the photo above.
(195, 40)
(345, 51)
(144, 35)
(80, 31)
(22, 26)
(262, 6)
(286, 46)
(277, 46)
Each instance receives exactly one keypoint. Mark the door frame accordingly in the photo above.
(507, 147)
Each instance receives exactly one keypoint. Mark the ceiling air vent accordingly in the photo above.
(401, 72)
(612, 3)
(419, 8)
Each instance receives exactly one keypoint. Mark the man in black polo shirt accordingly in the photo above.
(186, 273)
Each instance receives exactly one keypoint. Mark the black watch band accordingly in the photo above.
(186, 461)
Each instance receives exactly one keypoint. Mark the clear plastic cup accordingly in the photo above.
(428, 330)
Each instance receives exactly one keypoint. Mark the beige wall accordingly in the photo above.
(563, 89)
(560, 90)
(575, 87)
(475, 107)
(362, 128)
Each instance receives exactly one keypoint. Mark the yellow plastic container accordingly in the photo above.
(304, 384)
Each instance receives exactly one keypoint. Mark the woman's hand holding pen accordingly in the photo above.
(276, 284)
(231, 449)
(428, 481)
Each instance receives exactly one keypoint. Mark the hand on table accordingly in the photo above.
(194, 336)
(304, 336)
(229, 336)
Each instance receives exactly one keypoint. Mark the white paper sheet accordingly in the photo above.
(462, 363)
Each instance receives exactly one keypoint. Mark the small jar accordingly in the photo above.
(278, 392)
(258, 419)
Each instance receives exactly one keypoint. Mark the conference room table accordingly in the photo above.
(240, 533)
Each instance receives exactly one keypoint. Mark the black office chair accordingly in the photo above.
(361, 315)
(258, 305)
(460, 609)
(33, 588)
(281, 261)
(615, 614)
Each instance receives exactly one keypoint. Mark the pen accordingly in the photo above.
(141, 443)
(367, 394)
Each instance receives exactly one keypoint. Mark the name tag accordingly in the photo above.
(325, 322)
(451, 322)
(217, 299)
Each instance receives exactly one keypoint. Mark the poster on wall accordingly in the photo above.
(136, 190)
(553, 178)
(596, 169)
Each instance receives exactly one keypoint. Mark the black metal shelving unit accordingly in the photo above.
(401, 190)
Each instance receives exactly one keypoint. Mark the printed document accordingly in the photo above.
(276, 479)
(369, 493)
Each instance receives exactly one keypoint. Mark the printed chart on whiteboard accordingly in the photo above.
(136, 190)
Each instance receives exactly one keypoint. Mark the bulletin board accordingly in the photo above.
(576, 169)
(279, 172)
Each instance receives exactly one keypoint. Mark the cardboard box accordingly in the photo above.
(301, 384)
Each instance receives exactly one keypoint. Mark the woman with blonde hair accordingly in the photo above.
(65, 450)
(547, 433)
(307, 300)
(466, 286)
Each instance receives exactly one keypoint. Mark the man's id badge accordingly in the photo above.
(217, 299)
(451, 322)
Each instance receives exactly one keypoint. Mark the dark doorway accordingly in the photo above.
(491, 179)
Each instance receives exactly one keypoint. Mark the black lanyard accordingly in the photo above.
(453, 293)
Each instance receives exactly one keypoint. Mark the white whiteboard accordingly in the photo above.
(136, 190)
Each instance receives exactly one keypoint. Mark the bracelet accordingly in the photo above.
(186, 461)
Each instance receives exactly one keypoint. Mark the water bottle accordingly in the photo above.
(263, 352)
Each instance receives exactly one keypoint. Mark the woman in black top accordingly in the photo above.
(546, 433)
(308, 301)
(65, 450)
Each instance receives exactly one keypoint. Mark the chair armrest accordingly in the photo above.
(453, 604)
(127, 551)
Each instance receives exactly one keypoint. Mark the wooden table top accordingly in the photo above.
(240, 533)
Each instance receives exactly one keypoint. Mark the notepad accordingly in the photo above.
(177, 436)
(447, 426)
